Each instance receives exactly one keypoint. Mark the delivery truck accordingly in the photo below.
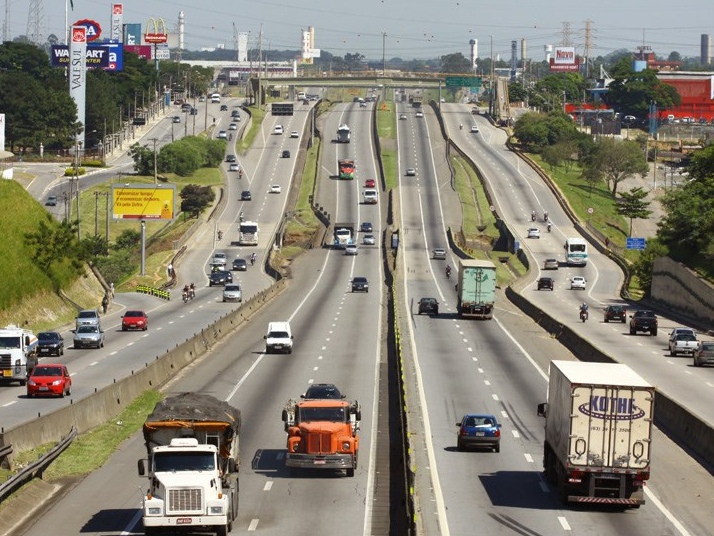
(192, 465)
(18, 354)
(476, 288)
(598, 433)
(344, 235)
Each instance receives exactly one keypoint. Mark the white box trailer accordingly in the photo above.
(598, 432)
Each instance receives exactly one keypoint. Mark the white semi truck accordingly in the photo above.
(192, 466)
(598, 433)
(18, 354)
(344, 235)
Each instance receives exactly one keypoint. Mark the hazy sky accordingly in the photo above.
(414, 28)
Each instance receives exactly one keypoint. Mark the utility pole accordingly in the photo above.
(156, 180)
(96, 213)
(493, 83)
(384, 57)
(106, 195)
(588, 46)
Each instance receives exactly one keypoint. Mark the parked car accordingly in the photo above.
(240, 265)
(89, 336)
(438, 254)
(220, 277)
(134, 320)
(275, 189)
(550, 264)
(429, 306)
(615, 312)
(49, 343)
(351, 249)
(232, 292)
(49, 380)
(245, 195)
(577, 282)
(478, 430)
(546, 283)
(369, 240)
(533, 232)
(360, 284)
(704, 354)
(322, 391)
(87, 317)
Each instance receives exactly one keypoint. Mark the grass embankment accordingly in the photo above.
(387, 131)
(257, 115)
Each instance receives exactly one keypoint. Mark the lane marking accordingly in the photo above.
(93, 363)
(515, 433)
(268, 485)
(564, 523)
(528, 457)
(253, 525)
(12, 402)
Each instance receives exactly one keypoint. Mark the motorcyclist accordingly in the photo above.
(240, 173)
(584, 309)
(545, 216)
(252, 258)
(533, 216)
(448, 271)
(461, 126)
(240, 216)
(184, 294)
(220, 234)
(192, 291)
(549, 225)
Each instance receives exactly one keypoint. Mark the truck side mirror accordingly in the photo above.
(140, 467)
(542, 409)
(359, 415)
(265, 336)
(285, 415)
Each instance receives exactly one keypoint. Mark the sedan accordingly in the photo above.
(577, 283)
(419, 114)
(403, 117)
(285, 154)
(233, 126)
(360, 284)
(278, 129)
(51, 201)
(88, 337)
(134, 320)
(176, 119)
(366, 227)
(546, 283)
(230, 158)
(351, 250)
(224, 107)
(245, 195)
(429, 306)
(704, 354)
(220, 278)
(294, 134)
(49, 380)
(479, 430)
(439, 254)
(240, 265)
(234, 167)
(474, 129)
(219, 259)
(50, 343)
(550, 264)
(222, 135)
(369, 183)
(411, 172)
(369, 240)
(232, 292)
(275, 189)
(533, 232)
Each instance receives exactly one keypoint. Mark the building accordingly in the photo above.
(696, 90)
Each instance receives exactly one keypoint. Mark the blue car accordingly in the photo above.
(479, 430)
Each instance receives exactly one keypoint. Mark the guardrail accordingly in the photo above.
(28, 473)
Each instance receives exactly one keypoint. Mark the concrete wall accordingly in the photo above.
(676, 287)
(107, 403)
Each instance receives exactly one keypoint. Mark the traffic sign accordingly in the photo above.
(635, 243)
(463, 81)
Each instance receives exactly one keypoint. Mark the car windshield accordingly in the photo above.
(232, 288)
(9, 342)
(615, 308)
(428, 301)
(47, 371)
(87, 329)
(87, 314)
(323, 414)
(323, 391)
(360, 279)
(707, 346)
(172, 462)
(133, 314)
(48, 336)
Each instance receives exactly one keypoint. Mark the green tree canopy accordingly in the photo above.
(631, 93)
(195, 198)
(633, 204)
(455, 63)
(616, 160)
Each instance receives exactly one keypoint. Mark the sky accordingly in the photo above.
(405, 28)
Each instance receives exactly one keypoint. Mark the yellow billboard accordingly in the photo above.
(143, 202)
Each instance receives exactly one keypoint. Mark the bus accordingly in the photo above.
(248, 233)
(343, 134)
(576, 251)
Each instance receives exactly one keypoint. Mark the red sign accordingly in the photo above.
(159, 35)
(94, 30)
(79, 35)
(117, 9)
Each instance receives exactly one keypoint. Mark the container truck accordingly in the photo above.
(248, 233)
(192, 466)
(346, 169)
(18, 353)
(598, 432)
(343, 134)
(322, 434)
(476, 288)
(344, 235)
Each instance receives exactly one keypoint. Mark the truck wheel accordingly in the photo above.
(562, 488)
(672, 353)
(351, 472)
(653, 332)
(459, 445)
(222, 531)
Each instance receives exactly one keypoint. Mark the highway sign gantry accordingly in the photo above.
(463, 81)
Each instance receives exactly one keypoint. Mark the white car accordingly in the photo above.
(474, 129)
(534, 232)
(232, 292)
(411, 172)
(439, 253)
(234, 167)
(219, 259)
(278, 129)
(233, 126)
(294, 134)
(222, 135)
(369, 240)
(420, 114)
(351, 249)
(275, 189)
(577, 283)
(403, 117)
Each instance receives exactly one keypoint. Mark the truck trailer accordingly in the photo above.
(598, 433)
(476, 288)
(192, 466)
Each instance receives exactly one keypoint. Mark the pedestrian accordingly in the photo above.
(105, 304)
(170, 269)
(607, 242)
(111, 289)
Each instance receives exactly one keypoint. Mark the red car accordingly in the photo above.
(49, 380)
(369, 183)
(134, 320)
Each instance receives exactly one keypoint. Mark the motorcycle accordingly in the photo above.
(533, 216)
(220, 235)
(549, 225)
(192, 293)
(448, 273)
(583, 315)
(184, 296)
(252, 259)
(240, 217)
(461, 127)
(545, 216)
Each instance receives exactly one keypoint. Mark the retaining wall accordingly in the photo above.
(676, 287)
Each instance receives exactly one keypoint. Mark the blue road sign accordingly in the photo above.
(635, 243)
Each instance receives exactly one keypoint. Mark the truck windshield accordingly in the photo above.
(278, 335)
(173, 462)
(249, 228)
(323, 414)
(9, 342)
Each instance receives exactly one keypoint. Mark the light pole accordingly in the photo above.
(490, 100)
(384, 56)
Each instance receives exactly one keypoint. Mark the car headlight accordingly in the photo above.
(56, 382)
(346, 445)
(30, 382)
(154, 511)
(216, 510)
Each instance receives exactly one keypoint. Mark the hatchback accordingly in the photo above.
(351, 250)
(88, 336)
(550, 264)
(49, 380)
(369, 240)
(545, 283)
(245, 195)
(51, 201)
(286, 154)
(50, 343)
(366, 227)
(577, 283)
(411, 172)
(222, 135)
(232, 292)
(234, 167)
(275, 189)
(240, 265)
(294, 134)
(533, 232)
(134, 320)
(360, 284)
(429, 306)
(474, 129)
(278, 129)
(369, 183)
(615, 312)
(219, 259)
(704, 354)
(233, 126)
(478, 430)
(88, 317)
(439, 253)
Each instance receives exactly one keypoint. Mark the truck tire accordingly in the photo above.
(653, 332)
(222, 530)
(151, 531)
(351, 472)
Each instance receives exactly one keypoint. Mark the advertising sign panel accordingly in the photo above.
(108, 56)
(144, 51)
(78, 73)
(117, 19)
(94, 30)
(132, 34)
(156, 31)
(564, 59)
(568, 67)
(143, 202)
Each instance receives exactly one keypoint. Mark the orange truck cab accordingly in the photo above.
(347, 169)
(322, 434)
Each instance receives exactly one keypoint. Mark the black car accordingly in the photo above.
(224, 107)
(230, 158)
(546, 282)
(366, 227)
(240, 264)
(360, 284)
(616, 312)
(323, 391)
(50, 343)
(220, 277)
(429, 306)
(245, 195)
(51, 201)
(235, 113)
(286, 154)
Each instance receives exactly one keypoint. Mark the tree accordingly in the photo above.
(633, 205)
(143, 158)
(538, 130)
(354, 62)
(53, 243)
(455, 63)
(643, 267)
(517, 92)
(128, 239)
(616, 161)
(631, 93)
(674, 56)
(701, 164)
(195, 198)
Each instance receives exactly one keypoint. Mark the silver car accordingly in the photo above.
(351, 249)
(89, 337)
(87, 317)
(232, 292)
(439, 253)
(369, 240)
(219, 259)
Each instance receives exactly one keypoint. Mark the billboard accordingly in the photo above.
(143, 202)
(132, 34)
(108, 56)
(77, 73)
(117, 19)
(94, 30)
(564, 59)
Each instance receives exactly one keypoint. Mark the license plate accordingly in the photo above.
(480, 434)
(44, 389)
(183, 520)
(320, 462)
(44, 350)
(7, 373)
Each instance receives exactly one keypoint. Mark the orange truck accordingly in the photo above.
(322, 434)
(347, 169)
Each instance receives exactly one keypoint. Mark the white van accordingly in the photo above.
(370, 196)
(301, 95)
(279, 338)
(216, 97)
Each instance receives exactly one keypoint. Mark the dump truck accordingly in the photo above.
(416, 100)
(192, 465)
(598, 432)
(322, 434)
(18, 353)
(343, 134)
(476, 288)
(347, 169)
(344, 234)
